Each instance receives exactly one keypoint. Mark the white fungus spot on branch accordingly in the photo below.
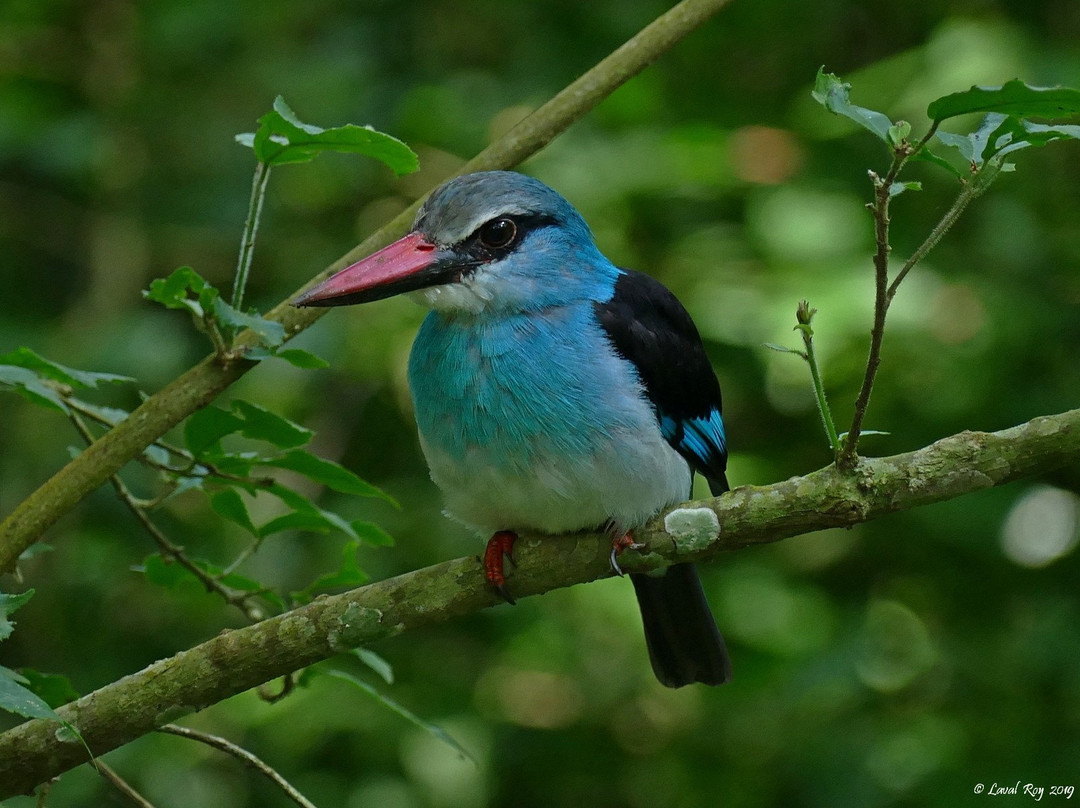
(692, 528)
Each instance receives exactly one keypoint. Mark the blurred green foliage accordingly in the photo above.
(900, 663)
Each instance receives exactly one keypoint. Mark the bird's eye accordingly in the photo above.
(498, 233)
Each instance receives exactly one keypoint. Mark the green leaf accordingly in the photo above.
(1013, 98)
(326, 472)
(174, 292)
(294, 356)
(269, 332)
(16, 698)
(372, 534)
(898, 188)
(962, 143)
(348, 575)
(262, 424)
(205, 428)
(408, 715)
(376, 663)
(282, 138)
(928, 156)
(31, 387)
(46, 368)
(167, 574)
(297, 520)
(8, 604)
(229, 504)
(302, 359)
(54, 689)
(898, 133)
(833, 94)
(171, 575)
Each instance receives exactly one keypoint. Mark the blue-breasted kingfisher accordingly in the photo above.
(554, 391)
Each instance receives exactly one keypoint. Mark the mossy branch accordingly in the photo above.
(235, 661)
(203, 383)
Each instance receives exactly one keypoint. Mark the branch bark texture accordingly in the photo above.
(203, 383)
(235, 661)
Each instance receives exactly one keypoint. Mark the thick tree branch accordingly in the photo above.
(203, 383)
(235, 661)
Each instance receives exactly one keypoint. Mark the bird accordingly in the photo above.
(554, 391)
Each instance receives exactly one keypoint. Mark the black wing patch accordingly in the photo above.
(649, 326)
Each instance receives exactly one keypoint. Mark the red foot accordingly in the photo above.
(499, 546)
(619, 543)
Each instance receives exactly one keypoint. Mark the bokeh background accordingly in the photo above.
(898, 663)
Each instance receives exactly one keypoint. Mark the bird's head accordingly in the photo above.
(494, 241)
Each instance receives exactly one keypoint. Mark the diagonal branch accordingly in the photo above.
(201, 384)
(235, 661)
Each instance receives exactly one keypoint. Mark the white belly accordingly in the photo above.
(627, 481)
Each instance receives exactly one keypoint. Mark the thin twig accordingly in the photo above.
(251, 229)
(242, 754)
(805, 317)
(122, 785)
(193, 464)
(241, 600)
(973, 188)
(880, 210)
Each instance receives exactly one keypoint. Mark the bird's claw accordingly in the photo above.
(618, 545)
(499, 547)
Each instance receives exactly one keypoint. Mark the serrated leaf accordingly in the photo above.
(302, 359)
(408, 715)
(8, 604)
(898, 133)
(205, 428)
(928, 156)
(962, 143)
(282, 138)
(347, 575)
(262, 424)
(28, 385)
(376, 663)
(53, 688)
(16, 698)
(46, 368)
(772, 346)
(898, 188)
(236, 463)
(326, 472)
(1006, 135)
(229, 504)
(297, 520)
(270, 332)
(174, 291)
(372, 534)
(164, 573)
(833, 94)
(110, 415)
(1012, 98)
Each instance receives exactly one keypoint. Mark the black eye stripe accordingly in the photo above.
(477, 248)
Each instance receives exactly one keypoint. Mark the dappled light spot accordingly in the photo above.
(764, 155)
(807, 225)
(761, 609)
(956, 313)
(894, 648)
(901, 758)
(536, 699)
(1042, 526)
